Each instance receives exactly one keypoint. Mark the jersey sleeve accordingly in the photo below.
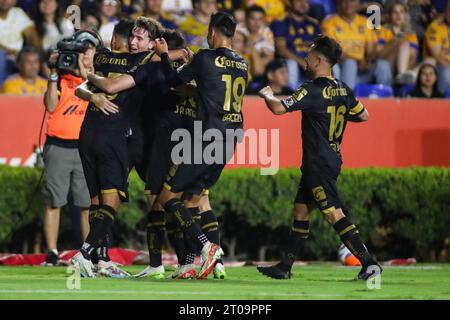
(140, 73)
(191, 70)
(354, 105)
(302, 99)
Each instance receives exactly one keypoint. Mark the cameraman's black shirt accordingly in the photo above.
(112, 65)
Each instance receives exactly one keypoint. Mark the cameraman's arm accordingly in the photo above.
(51, 96)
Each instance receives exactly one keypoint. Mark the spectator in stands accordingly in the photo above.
(153, 9)
(293, 36)
(240, 45)
(108, 11)
(129, 7)
(274, 9)
(398, 44)
(437, 46)
(50, 24)
(237, 7)
(63, 172)
(15, 28)
(358, 45)
(195, 26)
(90, 20)
(260, 43)
(27, 81)
(177, 6)
(277, 77)
(426, 86)
(422, 13)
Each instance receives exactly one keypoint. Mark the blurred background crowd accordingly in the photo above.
(409, 55)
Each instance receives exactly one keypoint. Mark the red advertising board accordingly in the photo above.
(400, 133)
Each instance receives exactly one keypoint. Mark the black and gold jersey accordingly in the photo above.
(221, 76)
(111, 64)
(326, 104)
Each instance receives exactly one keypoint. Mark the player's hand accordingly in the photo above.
(103, 104)
(161, 46)
(186, 90)
(265, 92)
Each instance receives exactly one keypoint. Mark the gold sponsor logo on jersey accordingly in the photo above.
(103, 59)
(225, 63)
(232, 117)
(330, 92)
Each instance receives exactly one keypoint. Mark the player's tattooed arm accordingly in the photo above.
(109, 85)
(98, 99)
(274, 104)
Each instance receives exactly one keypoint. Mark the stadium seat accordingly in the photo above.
(447, 94)
(405, 90)
(373, 90)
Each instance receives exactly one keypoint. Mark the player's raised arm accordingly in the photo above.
(174, 78)
(112, 86)
(274, 104)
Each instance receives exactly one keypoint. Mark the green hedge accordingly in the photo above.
(400, 212)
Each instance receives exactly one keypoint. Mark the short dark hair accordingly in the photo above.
(254, 8)
(27, 50)
(153, 27)
(329, 48)
(174, 39)
(275, 64)
(224, 22)
(123, 28)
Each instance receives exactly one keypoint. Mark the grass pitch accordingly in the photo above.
(316, 281)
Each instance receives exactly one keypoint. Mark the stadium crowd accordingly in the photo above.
(409, 55)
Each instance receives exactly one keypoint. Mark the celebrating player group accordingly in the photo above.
(146, 88)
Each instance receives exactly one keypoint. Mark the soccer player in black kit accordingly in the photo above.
(221, 77)
(104, 151)
(326, 104)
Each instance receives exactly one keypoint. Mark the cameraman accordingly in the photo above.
(63, 172)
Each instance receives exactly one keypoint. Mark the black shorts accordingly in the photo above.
(137, 145)
(196, 178)
(192, 178)
(318, 189)
(104, 156)
(159, 161)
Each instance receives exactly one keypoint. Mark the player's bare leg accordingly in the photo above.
(174, 206)
(298, 234)
(349, 235)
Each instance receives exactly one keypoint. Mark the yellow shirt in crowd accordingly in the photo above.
(15, 84)
(352, 36)
(274, 9)
(386, 35)
(194, 32)
(437, 35)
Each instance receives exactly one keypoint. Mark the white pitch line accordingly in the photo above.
(168, 293)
